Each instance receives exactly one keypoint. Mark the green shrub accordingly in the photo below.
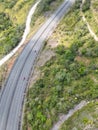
(86, 5)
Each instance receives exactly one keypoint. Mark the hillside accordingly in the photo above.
(12, 23)
(66, 71)
(70, 76)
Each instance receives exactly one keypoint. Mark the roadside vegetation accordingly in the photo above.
(12, 23)
(3, 73)
(68, 78)
(84, 119)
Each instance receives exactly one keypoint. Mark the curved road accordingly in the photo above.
(12, 96)
(26, 32)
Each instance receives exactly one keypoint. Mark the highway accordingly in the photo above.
(12, 95)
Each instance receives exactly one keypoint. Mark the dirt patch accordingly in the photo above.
(29, 128)
(94, 79)
(89, 127)
(45, 56)
(53, 43)
(83, 59)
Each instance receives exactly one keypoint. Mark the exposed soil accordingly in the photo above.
(45, 56)
(83, 59)
(53, 43)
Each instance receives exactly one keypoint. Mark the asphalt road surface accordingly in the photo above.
(12, 95)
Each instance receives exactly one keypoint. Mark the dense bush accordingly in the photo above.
(86, 5)
(78, 4)
(5, 21)
(8, 4)
(45, 5)
(91, 50)
(11, 38)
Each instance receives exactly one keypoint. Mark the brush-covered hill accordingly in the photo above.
(70, 76)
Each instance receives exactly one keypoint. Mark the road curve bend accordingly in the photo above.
(26, 32)
(12, 96)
